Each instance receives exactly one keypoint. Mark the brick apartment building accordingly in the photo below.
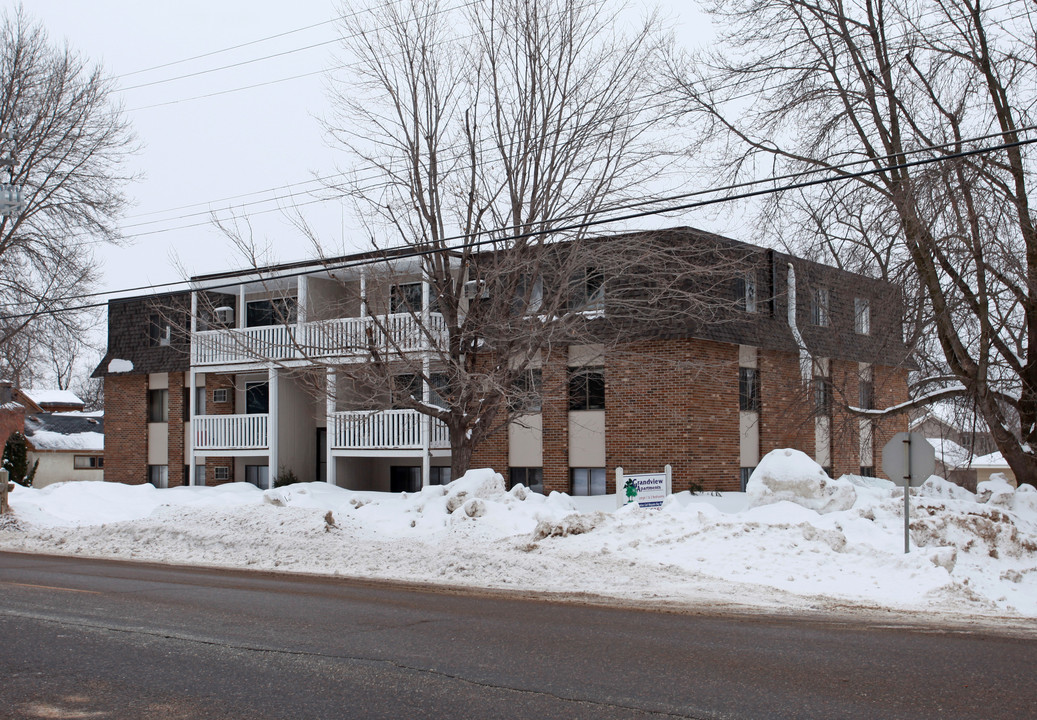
(208, 396)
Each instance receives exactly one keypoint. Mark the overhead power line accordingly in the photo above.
(405, 251)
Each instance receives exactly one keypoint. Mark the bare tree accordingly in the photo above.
(486, 141)
(807, 85)
(68, 143)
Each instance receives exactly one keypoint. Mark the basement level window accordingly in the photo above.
(587, 481)
(88, 462)
(744, 474)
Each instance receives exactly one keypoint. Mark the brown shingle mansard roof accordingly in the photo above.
(128, 318)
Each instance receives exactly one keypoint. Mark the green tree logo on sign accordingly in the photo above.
(631, 490)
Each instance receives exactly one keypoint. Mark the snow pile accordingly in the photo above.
(50, 440)
(118, 365)
(791, 476)
(797, 541)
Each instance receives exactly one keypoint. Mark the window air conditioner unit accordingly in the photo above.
(474, 289)
(224, 315)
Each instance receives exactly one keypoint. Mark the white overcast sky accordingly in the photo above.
(252, 145)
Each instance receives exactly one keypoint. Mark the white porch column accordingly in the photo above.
(192, 383)
(363, 293)
(241, 306)
(426, 395)
(304, 291)
(189, 435)
(273, 426)
(329, 442)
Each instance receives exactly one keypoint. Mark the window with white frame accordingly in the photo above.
(158, 406)
(221, 395)
(158, 475)
(587, 388)
(862, 316)
(587, 481)
(819, 307)
(160, 331)
(587, 290)
(746, 292)
(221, 473)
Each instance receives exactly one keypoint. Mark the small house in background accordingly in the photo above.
(67, 442)
(965, 450)
(50, 401)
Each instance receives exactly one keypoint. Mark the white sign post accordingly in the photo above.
(908, 459)
(648, 490)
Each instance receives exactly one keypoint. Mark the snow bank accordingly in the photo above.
(790, 475)
(798, 540)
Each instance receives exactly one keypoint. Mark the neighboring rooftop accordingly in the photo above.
(53, 400)
(65, 431)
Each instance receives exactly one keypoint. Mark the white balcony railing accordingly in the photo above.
(341, 337)
(231, 432)
(384, 429)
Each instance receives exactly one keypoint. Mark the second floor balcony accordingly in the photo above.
(343, 338)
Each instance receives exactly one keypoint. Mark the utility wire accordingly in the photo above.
(405, 251)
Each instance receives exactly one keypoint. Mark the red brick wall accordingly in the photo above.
(555, 417)
(676, 402)
(12, 419)
(126, 429)
(890, 389)
(177, 413)
(786, 404)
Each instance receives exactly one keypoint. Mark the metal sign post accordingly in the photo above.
(908, 459)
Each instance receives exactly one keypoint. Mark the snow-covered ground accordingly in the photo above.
(797, 541)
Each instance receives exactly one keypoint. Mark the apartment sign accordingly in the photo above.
(647, 490)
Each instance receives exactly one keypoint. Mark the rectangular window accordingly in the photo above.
(158, 475)
(88, 462)
(404, 478)
(586, 389)
(439, 475)
(867, 471)
(257, 398)
(158, 406)
(822, 396)
(587, 481)
(275, 311)
(745, 473)
(746, 292)
(862, 316)
(529, 294)
(220, 395)
(867, 395)
(258, 475)
(407, 385)
(819, 307)
(221, 473)
(531, 477)
(748, 390)
(587, 290)
(160, 332)
(527, 392)
(406, 298)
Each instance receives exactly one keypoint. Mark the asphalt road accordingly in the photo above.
(96, 639)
